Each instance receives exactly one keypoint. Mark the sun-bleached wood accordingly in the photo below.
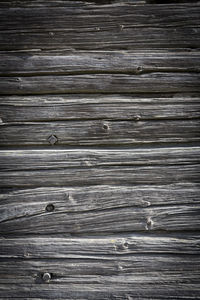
(89, 26)
(99, 107)
(133, 62)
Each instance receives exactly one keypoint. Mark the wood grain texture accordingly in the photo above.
(100, 209)
(75, 167)
(127, 270)
(83, 25)
(99, 107)
(105, 248)
(138, 275)
(63, 3)
(25, 207)
(48, 159)
(99, 132)
(63, 62)
(164, 290)
(105, 221)
(120, 218)
(155, 82)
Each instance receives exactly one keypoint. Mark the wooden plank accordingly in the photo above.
(103, 208)
(62, 3)
(156, 82)
(183, 291)
(43, 159)
(114, 26)
(96, 197)
(102, 221)
(47, 203)
(88, 107)
(134, 62)
(99, 132)
(105, 248)
(83, 167)
(131, 269)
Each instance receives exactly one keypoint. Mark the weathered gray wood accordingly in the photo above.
(154, 82)
(164, 290)
(99, 132)
(130, 269)
(72, 167)
(30, 202)
(51, 63)
(63, 3)
(158, 166)
(82, 25)
(104, 221)
(111, 107)
(43, 159)
(105, 248)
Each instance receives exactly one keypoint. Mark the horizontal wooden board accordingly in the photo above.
(105, 248)
(88, 107)
(128, 270)
(100, 208)
(31, 202)
(155, 82)
(63, 3)
(164, 290)
(83, 25)
(46, 159)
(99, 132)
(51, 63)
(81, 166)
(104, 221)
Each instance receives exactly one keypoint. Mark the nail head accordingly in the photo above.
(46, 277)
(105, 126)
(52, 139)
(50, 207)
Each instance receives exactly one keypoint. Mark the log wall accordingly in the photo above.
(99, 150)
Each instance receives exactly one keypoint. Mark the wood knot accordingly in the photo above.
(145, 204)
(137, 118)
(105, 127)
(126, 245)
(52, 139)
(149, 224)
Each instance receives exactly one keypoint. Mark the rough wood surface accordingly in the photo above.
(161, 290)
(134, 62)
(99, 132)
(82, 167)
(154, 82)
(86, 198)
(118, 220)
(76, 210)
(87, 107)
(128, 219)
(83, 25)
(131, 275)
(126, 270)
(105, 248)
(43, 159)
